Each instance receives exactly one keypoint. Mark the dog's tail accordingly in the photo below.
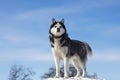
(88, 49)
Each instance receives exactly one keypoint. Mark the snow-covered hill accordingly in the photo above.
(89, 77)
(72, 79)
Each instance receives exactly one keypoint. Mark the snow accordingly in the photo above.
(71, 79)
(89, 77)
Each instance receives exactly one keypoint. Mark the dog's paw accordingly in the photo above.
(57, 76)
(77, 76)
(84, 75)
(66, 77)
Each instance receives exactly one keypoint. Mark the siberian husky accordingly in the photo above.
(64, 48)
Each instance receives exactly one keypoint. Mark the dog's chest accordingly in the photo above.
(58, 49)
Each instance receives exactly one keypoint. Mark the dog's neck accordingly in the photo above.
(57, 37)
(63, 40)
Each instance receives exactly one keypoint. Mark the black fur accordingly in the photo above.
(52, 41)
(77, 47)
(53, 25)
(74, 46)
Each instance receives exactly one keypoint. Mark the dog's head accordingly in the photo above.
(57, 28)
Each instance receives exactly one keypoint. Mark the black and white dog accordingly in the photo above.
(63, 48)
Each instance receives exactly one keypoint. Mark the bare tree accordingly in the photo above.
(18, 72)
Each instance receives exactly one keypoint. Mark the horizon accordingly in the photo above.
(24, 34)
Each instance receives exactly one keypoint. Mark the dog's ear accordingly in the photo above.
(53, 20)
(62, 21)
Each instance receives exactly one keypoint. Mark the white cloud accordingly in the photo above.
(107, 55)
(25, 55)
(47, 12)
(112, 31)
(42, 14)
(36, 55)
(75, 7)
(105, 30)
(18, 36)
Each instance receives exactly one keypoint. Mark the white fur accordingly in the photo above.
(88, 51)
(60, 54)
(54, 30)
(76, 61)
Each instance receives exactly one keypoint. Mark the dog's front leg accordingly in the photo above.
(57, 64)
(66, 67)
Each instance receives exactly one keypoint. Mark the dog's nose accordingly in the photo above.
(58, 29)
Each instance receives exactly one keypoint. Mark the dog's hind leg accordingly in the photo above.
(77, 67)
(83, 66)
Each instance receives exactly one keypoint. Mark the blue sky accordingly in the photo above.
(24, 26)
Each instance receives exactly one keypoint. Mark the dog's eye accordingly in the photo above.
(60, 26)
(55, 26)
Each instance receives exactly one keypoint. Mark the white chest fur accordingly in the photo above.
(59, 51)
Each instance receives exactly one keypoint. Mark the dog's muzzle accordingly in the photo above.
(58, 29)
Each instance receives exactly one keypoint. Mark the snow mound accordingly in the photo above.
(71, 79)
(88, 77)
